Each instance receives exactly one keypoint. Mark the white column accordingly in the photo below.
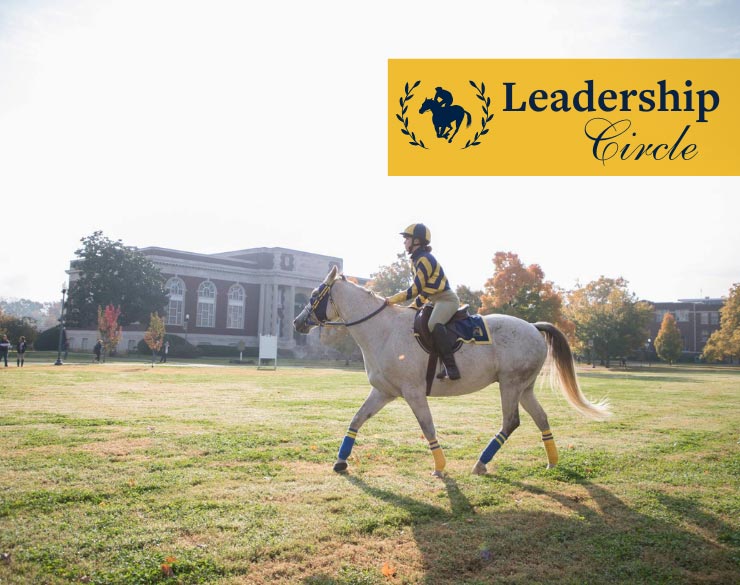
(261, 311)
(274, 310)
(289, 311)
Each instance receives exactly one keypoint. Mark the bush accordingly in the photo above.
(226, 351)
(47, 340)
(179, 348)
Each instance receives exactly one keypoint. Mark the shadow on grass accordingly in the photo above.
(595, 538)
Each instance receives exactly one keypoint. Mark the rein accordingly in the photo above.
(365, 318)
(323, 296)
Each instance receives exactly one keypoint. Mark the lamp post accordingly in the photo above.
(647, 351)
(61, 328)
(185, 325)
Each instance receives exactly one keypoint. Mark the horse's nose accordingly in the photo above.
(299, 322)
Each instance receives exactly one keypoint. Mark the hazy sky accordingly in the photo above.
(215, 126)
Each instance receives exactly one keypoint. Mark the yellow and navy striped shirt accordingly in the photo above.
(429, 279)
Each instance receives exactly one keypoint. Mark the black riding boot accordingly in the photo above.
(444, 347)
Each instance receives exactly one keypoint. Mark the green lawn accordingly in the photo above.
(123, 473)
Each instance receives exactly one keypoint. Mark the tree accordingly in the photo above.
(45, 315)
(108, 327)
(388, 280)
(522, 291)
(15, 327)
(339, 338)
(154, 335)
(470, 297)
(113, 274)
(668, 343)
(608, 318)
(725, 342)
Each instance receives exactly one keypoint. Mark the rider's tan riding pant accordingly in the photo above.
(445, 305)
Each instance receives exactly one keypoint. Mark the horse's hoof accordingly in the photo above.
(551, 465)
(480, 468)
(439, 474)
(340, 467)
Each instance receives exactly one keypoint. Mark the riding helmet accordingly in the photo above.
(418, 231)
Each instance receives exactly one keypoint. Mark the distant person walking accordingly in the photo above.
(4, 349)
(97, 350)
(165, 350)
(21, 349)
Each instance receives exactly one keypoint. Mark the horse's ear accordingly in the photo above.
(332, 275)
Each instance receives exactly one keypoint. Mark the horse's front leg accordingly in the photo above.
(372, 405)
(417, 400)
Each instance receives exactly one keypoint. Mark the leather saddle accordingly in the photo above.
(424, 337)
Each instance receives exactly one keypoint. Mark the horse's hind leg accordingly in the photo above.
(372, 405)
(530, 403)
(510, 394)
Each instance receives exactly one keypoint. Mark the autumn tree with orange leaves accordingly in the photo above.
(522, 291)
(669, 343)
(108, 327)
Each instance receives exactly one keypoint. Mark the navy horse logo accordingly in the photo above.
(444, 114)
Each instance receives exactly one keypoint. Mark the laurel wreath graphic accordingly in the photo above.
(486, 117)
(404, 119)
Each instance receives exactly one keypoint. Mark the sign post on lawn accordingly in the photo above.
(268, 352)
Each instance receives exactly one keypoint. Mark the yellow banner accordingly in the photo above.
(563, 117)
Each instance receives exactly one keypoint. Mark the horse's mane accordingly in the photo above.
(352, 280)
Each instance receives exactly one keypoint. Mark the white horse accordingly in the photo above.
(396, 366)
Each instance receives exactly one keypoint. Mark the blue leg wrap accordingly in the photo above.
(493, 447)
(349, 441)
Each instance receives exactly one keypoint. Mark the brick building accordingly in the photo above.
(229, 297)
(697, 319)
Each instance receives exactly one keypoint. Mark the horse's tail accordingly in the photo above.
(470, 118)
(561, 363)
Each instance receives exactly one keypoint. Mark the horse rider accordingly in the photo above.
(430, 285)
(443, 97)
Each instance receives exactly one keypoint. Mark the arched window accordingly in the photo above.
(206, 316)
(175, 288)
(235, 312)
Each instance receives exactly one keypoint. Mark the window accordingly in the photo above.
(175, 288)
(659, 314)
(682, 316)
(206, 316)
(235, 310)
(704, 316)
(704, 335)
(714, 318)
(131, 345)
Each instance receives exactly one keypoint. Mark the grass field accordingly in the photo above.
(122, 473)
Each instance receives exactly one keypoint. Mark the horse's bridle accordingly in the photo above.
(319, 302)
